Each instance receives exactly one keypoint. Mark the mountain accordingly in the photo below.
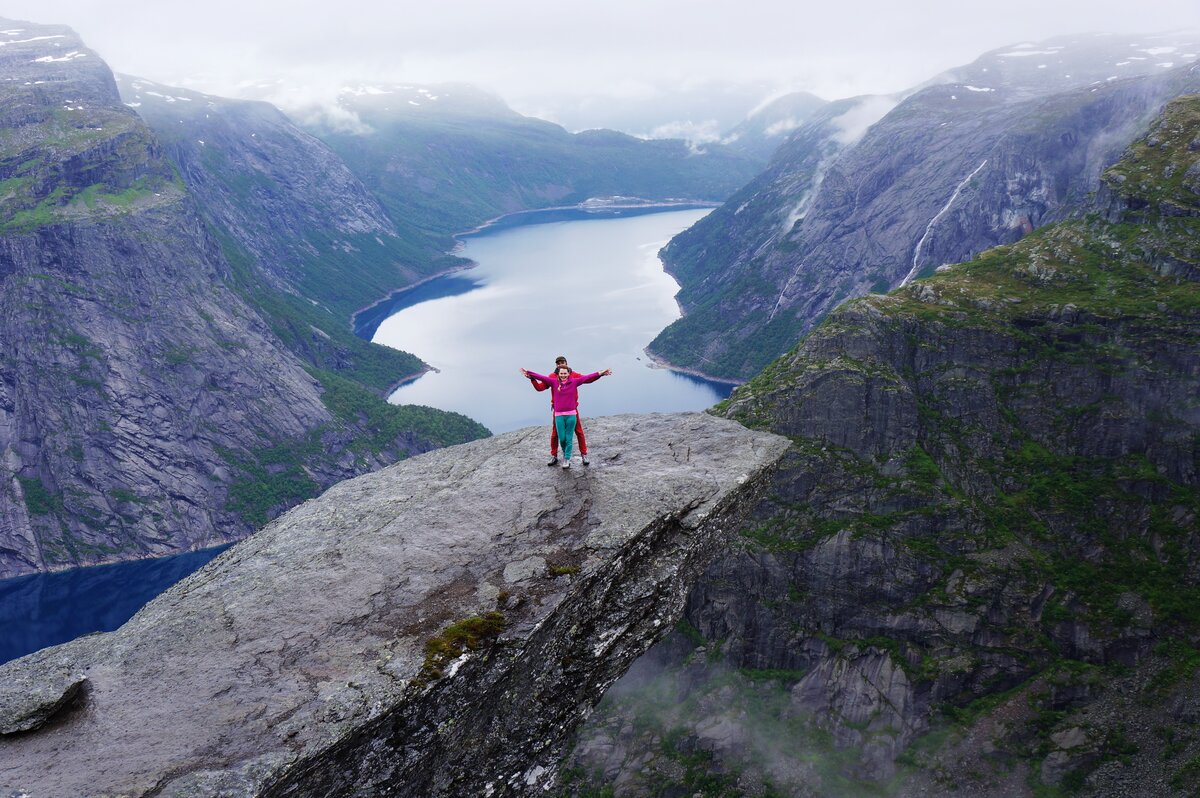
(309, 244)
(951, 170)
(976, 571)
(147, 405)
(444, 159)
(693, 109)
(761, 133)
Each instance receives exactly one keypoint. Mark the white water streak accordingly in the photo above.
(929, 227)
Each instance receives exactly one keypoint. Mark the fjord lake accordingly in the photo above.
(592, 289)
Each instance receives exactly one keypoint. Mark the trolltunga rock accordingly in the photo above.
(436, 628)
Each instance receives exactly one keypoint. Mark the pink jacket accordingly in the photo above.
(564, 395)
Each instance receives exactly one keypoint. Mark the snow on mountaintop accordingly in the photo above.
(136, 91)
(407, 92)
(1032, 68)
(6, 42)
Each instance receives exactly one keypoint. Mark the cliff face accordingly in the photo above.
(145, 407)
(952, 170)
(287, 199)
(976, 573)
(436, 628)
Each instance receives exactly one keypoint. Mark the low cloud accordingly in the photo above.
(782, 126)
(854, 124)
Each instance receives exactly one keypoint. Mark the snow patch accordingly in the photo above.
(1166, 64)
(1024, 53)
(1158, 50)
(134, 105)
(46, 59)
(359, 91)
(34, 39)
(977, 88)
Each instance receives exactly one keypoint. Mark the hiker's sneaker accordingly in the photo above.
(566, 464)
(553, 461)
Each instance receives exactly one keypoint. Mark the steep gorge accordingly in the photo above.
(976, 572)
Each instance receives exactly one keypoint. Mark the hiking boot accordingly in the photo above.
(566, 464)
(583, 457)
(553, 461)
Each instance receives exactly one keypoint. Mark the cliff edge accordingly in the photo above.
(435, 628)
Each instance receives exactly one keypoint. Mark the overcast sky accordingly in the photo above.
(538, 54)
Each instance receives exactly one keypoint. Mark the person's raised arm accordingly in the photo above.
(538, 385)
(595, 375)
(533, 375)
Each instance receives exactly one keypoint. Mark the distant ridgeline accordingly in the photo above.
(977, 572)
(179, 277)
(871, 192)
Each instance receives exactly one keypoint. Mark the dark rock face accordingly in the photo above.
(288, 200)
(436, 628)
(987, 527)
(952, 170)
(136, 385)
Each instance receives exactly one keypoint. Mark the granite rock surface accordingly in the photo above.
(436, 628)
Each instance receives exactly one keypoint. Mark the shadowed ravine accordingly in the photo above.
(439, 627)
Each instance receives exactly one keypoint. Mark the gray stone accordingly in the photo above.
(29, 699)
(293, 663)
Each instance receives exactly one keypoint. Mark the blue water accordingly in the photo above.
(43, 610)
(591, 289)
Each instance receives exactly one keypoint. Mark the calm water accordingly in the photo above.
(593, 290)
(46, 609)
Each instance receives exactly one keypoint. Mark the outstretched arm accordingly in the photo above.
(533, 375)
(595, 375)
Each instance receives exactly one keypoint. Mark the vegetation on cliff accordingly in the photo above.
(979, 565)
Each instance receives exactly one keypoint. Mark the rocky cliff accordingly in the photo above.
(436, 628)
(988, 153)
(976, 572)
(145, 406)
(307, 243)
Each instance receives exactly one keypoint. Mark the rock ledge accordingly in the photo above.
(291, 664)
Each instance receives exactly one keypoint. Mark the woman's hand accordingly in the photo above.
(524, 373)
(606, 372)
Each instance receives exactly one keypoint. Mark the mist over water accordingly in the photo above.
(593, 290)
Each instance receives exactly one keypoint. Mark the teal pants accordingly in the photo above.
(565, 426)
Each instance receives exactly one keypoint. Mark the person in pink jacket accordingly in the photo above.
(564, 397)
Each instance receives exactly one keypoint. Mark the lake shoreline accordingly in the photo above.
(578, 211)
(657, 362)
(619, 298)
